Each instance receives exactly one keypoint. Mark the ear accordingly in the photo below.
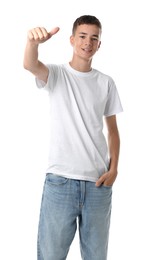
(99, 45)
(72, 40)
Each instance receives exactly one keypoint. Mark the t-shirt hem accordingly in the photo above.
(113, 113)
(74, 177)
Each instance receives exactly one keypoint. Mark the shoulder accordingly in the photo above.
(54, 67)
(107, 79)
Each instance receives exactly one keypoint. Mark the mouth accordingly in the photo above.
(87, 50)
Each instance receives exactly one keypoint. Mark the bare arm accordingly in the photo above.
(109, 177)
(31, 62)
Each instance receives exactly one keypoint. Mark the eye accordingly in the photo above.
(94, 39)
(82, 36)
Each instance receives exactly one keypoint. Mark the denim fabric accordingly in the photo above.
(66, 201)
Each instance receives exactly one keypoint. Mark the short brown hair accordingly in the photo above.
(86, 19)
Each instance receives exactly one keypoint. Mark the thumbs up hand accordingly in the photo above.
(40, 34)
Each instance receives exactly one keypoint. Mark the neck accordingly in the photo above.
(82, 66)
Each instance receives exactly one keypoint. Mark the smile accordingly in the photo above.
(87, 50)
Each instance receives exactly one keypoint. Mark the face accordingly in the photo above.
(86, 41)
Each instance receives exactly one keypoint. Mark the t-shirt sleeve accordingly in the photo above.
(52, 77)
(113, 102)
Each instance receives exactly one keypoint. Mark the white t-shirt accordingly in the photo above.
(78, 102)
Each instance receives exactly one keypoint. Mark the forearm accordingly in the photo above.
(114, 149)
(109, 177)
(31, 56)
(32, 64)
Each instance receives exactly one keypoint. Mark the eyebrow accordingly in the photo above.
(94, 35)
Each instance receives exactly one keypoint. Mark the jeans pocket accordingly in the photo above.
(107, 187)
(56, 180)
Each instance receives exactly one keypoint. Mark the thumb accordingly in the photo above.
(54, 31)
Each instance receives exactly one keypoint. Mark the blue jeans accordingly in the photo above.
(66, 201)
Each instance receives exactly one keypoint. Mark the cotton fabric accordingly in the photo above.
(78, 103)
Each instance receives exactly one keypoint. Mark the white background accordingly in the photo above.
(129, 53)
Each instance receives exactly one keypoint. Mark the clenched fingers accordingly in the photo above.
(40, 34)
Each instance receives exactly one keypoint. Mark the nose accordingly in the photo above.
(88, 41)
